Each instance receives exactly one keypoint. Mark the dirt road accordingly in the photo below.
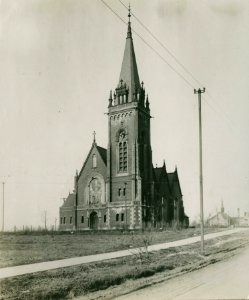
(224, 280)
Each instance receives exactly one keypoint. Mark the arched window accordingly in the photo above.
(95, 191)
(122, 152)
(94, 161)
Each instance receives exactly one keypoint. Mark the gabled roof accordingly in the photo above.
(171, 177)
(129, 72)
(70, 200)
(157, 173)
(160, 173)
(102, 152)
(225, 216)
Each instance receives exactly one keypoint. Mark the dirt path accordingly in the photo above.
(223, 280)
(49, 265)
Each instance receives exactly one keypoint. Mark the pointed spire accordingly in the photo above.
(147, 102)
(129, 72)
(222, 207)
(110, 99)
(75, 181)
(129, 34)
(94, 137)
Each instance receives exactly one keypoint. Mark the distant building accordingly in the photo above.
(118, 187)
(220, 219)
(242, 221)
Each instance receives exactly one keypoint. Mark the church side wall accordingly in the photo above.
(67, 218)
(67, 215)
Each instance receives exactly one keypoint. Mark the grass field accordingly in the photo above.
(18, 248)
(121, 274)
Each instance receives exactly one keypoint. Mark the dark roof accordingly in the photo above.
(158, 172)
(174, 179)
(171, 177)
(103, 153)
(70, 200)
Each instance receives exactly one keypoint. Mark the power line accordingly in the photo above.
(153, 49)
(163, 46)
(182, 65)
(221, 110)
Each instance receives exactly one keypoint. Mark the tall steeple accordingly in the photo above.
(129, 73)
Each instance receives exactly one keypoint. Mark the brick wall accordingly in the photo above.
(86, 175)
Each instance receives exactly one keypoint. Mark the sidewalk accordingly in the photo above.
(50, 265)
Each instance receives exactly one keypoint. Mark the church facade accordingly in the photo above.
(118, 187)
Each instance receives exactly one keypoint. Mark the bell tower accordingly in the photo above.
(129, 155)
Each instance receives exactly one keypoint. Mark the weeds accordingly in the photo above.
(141, 253)
(79, 280)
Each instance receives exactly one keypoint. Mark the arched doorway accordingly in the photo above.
(94, 220)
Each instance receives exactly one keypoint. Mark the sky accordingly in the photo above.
(59, 59)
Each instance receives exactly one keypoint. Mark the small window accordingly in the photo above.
(124, 191)
(122, 217)
(94, 161)
(64, 220)
(82, 219)
(119, 191)
(104, 218)
(61, 220)
(71, 219)
(117, 217)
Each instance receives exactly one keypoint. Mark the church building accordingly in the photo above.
(118, 187)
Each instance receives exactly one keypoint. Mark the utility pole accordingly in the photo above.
(55, 221)
(3, 208)
(162, 214)
(199, 92)
(125, 208)
(45, 219)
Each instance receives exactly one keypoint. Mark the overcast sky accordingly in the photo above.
(60, 58)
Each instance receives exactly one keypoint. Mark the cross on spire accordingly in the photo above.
(94, 136)
(129, 72)
(129, 10)
(129, 35)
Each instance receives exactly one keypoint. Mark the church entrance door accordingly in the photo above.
(94, 220)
